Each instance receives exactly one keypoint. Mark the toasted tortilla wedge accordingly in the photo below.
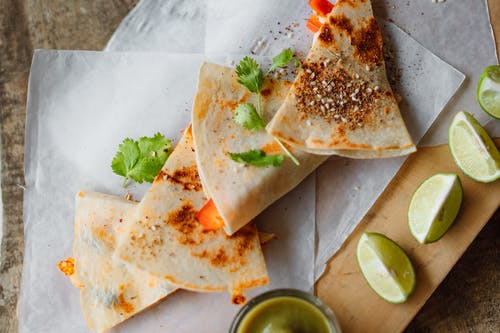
(240, 192)
(342, 103)
(110, 291)
(164, 238)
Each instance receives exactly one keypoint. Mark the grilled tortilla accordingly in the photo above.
(240, 192)
(342, 103)
(110, 290)
(164, 238)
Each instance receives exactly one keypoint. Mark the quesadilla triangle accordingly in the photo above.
(110, 290)
(239, 191)
(341, 102)
(164, 238)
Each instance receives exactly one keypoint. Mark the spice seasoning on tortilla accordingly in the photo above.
(327, 91)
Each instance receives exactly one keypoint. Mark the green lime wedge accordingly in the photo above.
(474, 151)
(488, 91)
(434, 206)
(386, 267)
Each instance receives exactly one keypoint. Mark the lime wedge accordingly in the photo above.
(474, 151)
(434, 206)
(386, 267)
(488, 91)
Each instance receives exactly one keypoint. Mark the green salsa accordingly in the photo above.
(284, 314)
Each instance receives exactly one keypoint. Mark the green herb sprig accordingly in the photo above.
(251, 76)
(141, 160)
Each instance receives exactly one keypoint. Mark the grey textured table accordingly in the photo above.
(467, 301)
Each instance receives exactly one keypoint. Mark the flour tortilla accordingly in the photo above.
(240, 192)
(110, 290)
(164, 238)
(363, 122)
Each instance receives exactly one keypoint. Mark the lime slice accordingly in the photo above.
(386, 267)
(488, 91)
(434, 206)
(474, 151)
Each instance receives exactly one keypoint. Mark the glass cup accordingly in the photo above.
(311, 299)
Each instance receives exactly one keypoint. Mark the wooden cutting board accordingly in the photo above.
(343, 287)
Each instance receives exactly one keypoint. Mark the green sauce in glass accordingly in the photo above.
(284, 314)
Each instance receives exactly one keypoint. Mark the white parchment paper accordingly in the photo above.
(81, 105)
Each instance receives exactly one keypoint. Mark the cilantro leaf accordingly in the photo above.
(246, 115)
(282, 59)
(156, 146)
(141, 160)
(258, 158)
(126, 158)
(250, 75)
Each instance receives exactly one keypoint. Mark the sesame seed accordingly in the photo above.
(312, 103)
(312, 75)
(356, 108)
(329, 88)
(356, 90)
(318, 96)
(356, 76)
(349, 85)
(153, 228)
(322, 108)
(360, 124)
(315, 89)
(329, 100)
(308, 71)
(336, 116)
(323, 100)
(343, 120)
(282, 71)
(367, 68)
(308, 122)
(327, 105)
(369, 90)
(376, 88)
(324, 83)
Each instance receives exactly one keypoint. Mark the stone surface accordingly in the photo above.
(467, 301)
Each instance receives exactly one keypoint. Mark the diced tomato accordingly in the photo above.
(209, 217)
(67, 266)
(321, 7)
(313, 23)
